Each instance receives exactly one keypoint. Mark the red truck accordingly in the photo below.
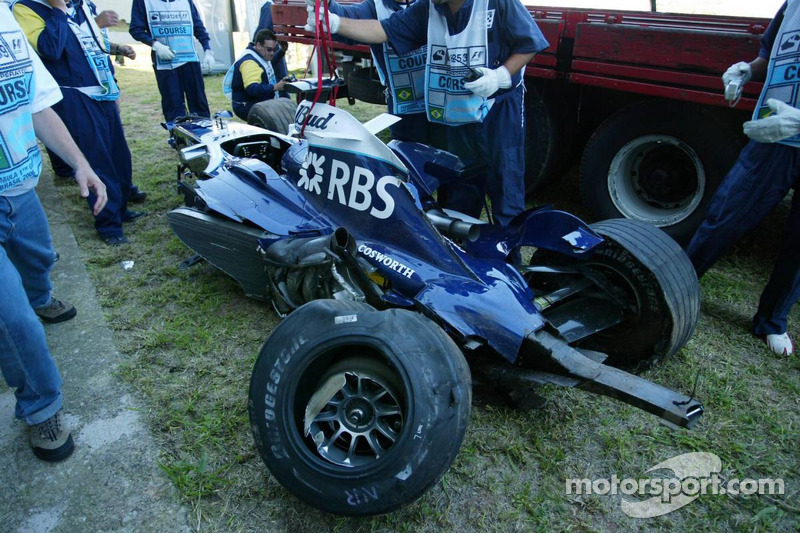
(635, 95)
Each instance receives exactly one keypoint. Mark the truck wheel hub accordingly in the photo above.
(665, 176)
(656, 179)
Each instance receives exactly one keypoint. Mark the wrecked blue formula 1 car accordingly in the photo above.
(360, 398)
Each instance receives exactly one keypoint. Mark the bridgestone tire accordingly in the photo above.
(657, 277)
(658, 162)
(363, 84)
(397, 417)
(274, 115)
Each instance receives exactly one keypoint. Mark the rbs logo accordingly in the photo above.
(357, 188)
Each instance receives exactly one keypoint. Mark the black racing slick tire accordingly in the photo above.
(657, 162)
(363, 84)
(274, 115)
(654, 278)
(357, 411)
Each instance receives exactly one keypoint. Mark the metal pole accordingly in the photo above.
(653, 6)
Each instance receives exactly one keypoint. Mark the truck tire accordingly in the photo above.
(653, 274)
(548, 138)
(358, 411)
(363, 84)
(274, 115)
(658, 162)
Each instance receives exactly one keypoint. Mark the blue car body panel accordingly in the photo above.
(342, 176)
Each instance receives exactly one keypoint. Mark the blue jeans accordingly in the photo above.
(26, 256)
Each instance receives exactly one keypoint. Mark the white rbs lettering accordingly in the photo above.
(340, 175)
(363, 189)
(360, 197)
(384, 195)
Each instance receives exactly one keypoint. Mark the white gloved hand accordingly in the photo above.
(490, 81)
(163, 52)
(208, 62)
(333, 18)
(740, 72)
(783, 124)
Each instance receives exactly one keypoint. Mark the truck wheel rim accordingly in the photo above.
(359, 423)
(656, 179)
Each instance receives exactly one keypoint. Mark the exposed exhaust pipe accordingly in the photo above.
(453, 227)
(301, 252)
(338, 249)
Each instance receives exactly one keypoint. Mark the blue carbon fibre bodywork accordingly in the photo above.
(336, 213)
(342, 176)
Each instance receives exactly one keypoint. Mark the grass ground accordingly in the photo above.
(191, 338)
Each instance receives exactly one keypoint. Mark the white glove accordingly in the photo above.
(490, 82)
(163, 52)
(208, 62)
(783, 124)
(333, 18)
(741, 72)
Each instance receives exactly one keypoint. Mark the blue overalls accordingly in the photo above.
(499, 140)
(180, 82)
(94, 124)
(759, 180)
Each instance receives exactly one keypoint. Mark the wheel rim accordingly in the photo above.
(358, 420)
(627, 297)
(656, 179)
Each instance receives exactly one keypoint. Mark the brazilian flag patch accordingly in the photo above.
(765, 112)
(436, 113)
(404, 95)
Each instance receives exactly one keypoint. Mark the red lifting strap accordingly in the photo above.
(323, 44)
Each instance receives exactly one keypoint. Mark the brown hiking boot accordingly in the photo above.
(51, 441)
(56, 311)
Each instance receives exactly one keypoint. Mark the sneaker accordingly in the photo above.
(51, 441)
(780, 344)
(116, 240)
(56, 311)
(130, 216)
(137, 196)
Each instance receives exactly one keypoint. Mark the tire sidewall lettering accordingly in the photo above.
(271, 408)
(289, 372)
(640, 275)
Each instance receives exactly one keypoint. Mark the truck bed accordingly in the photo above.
(657, 54)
